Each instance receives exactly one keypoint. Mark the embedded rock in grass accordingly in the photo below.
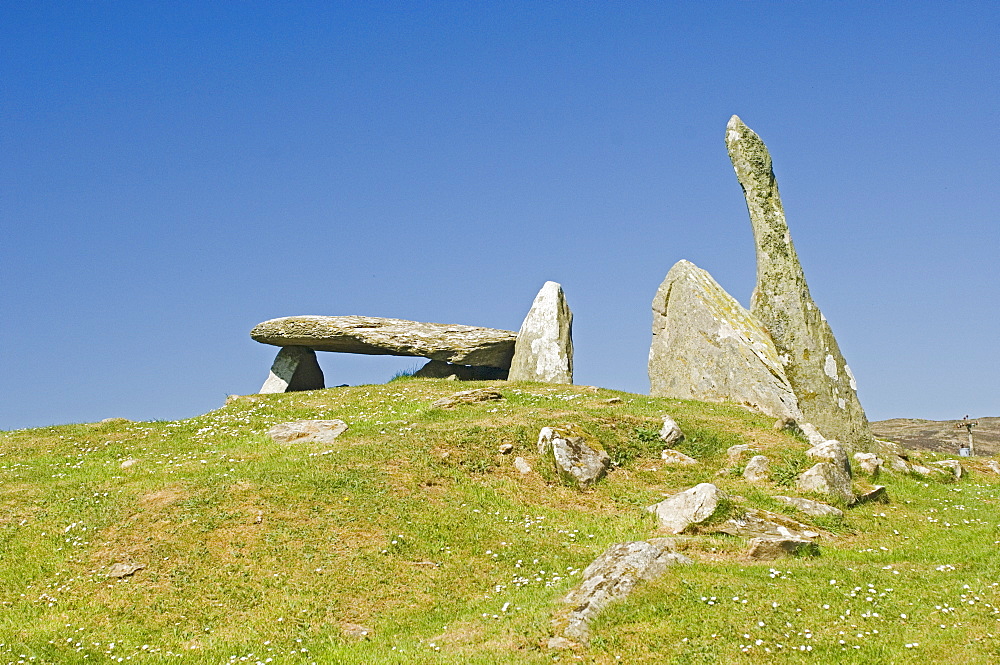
(576, 457)
(128, 463)
(522, 465)
(735, 453)
(707, 347)
(611, 577)
(691, 506)
(953, 465)
(829, 479)
(757, 470)
(877, 493)
(811, 357)
(810, 507)
(671, 432)
(869, 463)
(307, 431)
(295, 368)
(120, 570)
(765, 524)
(768, 549)
(438, 369)
(833, 452)
(676, 458)
(544, 347)
(371, 335)
(467, 397)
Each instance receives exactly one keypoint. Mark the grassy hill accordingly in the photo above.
(412, 539)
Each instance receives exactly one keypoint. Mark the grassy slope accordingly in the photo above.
(413, 527)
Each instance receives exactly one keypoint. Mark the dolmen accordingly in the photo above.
(541, 351)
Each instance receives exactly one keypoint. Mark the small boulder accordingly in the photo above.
(672, 457)
(828, 479)
(128, 463)
(952, 465)
(522, 465)
(810, 507)
(768, 549)
(993, 466)
(691, 506)
(735, 453)
(833, 452)
(578, 459)
(758, 469)
(869, 463)
(876, 494)
(307, 431)
(120, 570)
(671, 432)
(467, 397)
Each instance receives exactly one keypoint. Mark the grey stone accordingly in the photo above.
(764, 524)
(758, 469)
(952, 465)
(831, 451)
(438, 369)
(611, 577)
(869, 463)
(811, 357)
(708, 347)
(295, 368)
(522, 465)
(307, 431)
(876, 494)
(735, 453)
(810, 507)
(544, 347)
(458, 344)
(576, 457)
(768, 549)
(676, 458)
(692, 506)
(467, 397)
(120, 570)
(671, 432)
(828, 479)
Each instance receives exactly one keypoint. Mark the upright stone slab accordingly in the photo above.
(707, 347)
(295, 368)
(544, 347)
(818, 374)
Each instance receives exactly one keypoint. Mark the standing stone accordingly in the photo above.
(706, 346)
(575, 456)
(295, 368)
(544, 347)
(817, 371)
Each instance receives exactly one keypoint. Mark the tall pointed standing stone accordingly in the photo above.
(820, 377)
(295, 368)
(544, 347)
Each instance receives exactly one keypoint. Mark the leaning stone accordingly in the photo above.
(307, 431)
(612, 577)
(120, 570)
(953, 465)
(671, 432)
(672, 457)
(544, 347)
(461, 345)
(438, 369)
(467, 397)
(833, 452)
(295, 368)
(768, 549)
(576, 457)
(691, 506)
(734, 453)
(707, 347)
(764, 524)
(522, 465)
(757, 470)
(869, 463)
(810, 507)
(827, 479)
(811, 357)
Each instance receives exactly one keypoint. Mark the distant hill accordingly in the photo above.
(940, 435)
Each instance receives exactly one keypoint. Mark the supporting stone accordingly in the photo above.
(544, 347)
(295, 368)
(438, 369)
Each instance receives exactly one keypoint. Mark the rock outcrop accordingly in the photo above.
(811, 358)
(543, 350)
(295, 368)
(692, 506)
(575, 456)
(706, 346)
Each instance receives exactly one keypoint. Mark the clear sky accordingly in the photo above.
(173, 173)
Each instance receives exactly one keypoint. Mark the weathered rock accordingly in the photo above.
(952, 465)
(925, 471)
(812, 360)
(544, 347)
(829, 479)
(869, 463)
(467, 397)
(876, 494)
(672, 457)
(735, 453)
(128, 463)
(522, 465)
(295, 368)
(611, 577)
(831, 451)
(671, 432)
(307, 431)
(787, 424)
(765, 524)
(768, 549)
(810, 507)
(707, 347)
(993, 466)
(438, 369)
(758, 469)
(458, 344)
(812, 434)
(576, 457)
(692, 506)
(120, 570)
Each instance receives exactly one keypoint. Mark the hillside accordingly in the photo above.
(412, 539)
(940, 435)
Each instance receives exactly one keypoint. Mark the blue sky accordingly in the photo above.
(173, 173)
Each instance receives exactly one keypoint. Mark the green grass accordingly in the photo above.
(414, 527)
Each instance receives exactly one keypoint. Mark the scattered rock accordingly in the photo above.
(828, 479)
(438, 369)
(993, 466)
(612, 577)
(295, 368)
(691, 506)
(876, 494)
(128, 463)
(676, 458)
(833, 452)
(671, 432)
(522, 465)
(577, 458)
(467, 397)
(307, 431)
(355, 630)
(613, 400)
(953, 465)
(923, 470)
(544, 347)
(768, 549)
(120, 570)
(757, 470)
(506, 448)
(764, 524)
(735, 453)
(869, 463)
(810, 507)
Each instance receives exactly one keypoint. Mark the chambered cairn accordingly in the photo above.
(780, 357)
